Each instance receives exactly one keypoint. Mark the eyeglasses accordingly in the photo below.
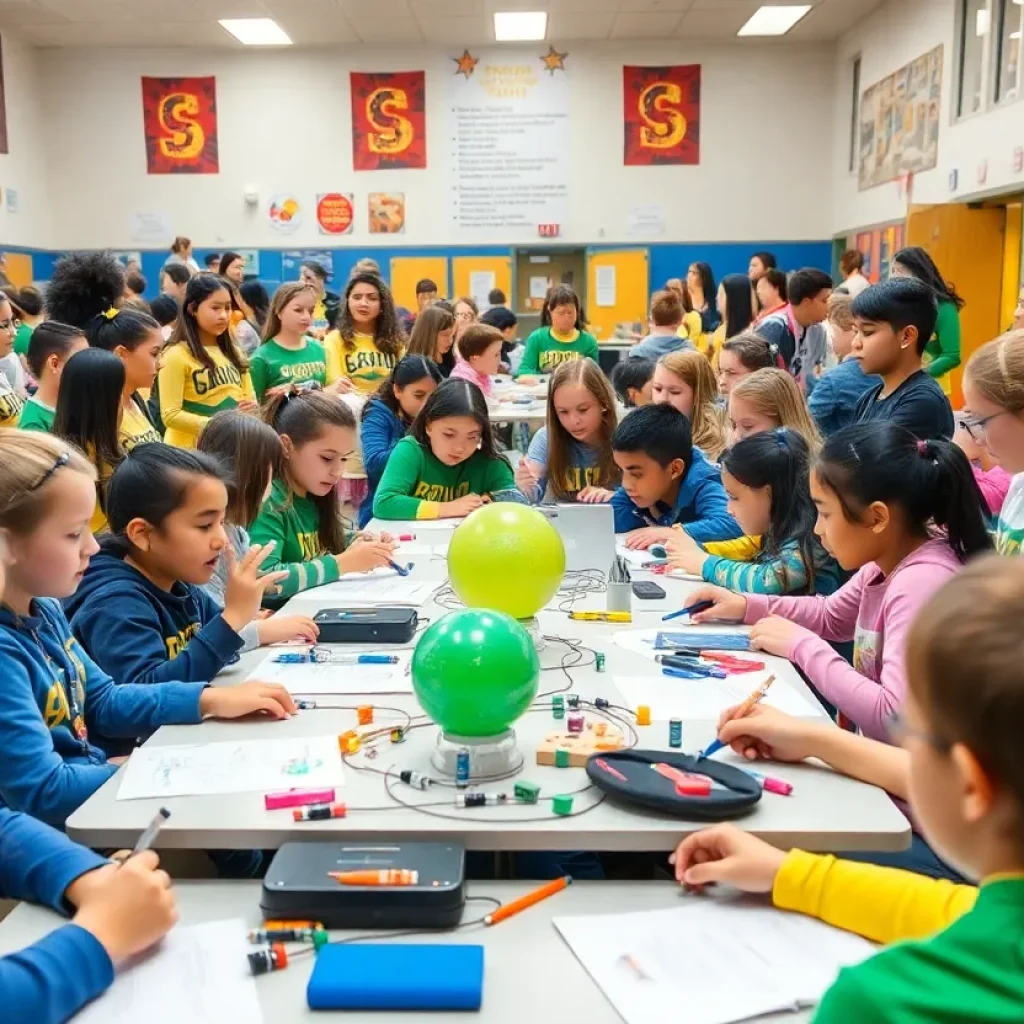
(976, 427)
(899, 729)
(10, 326)
(463, 316)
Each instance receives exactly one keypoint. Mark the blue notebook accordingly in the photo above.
(380, 976)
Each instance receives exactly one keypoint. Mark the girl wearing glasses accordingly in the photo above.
(993, 418)
(11, 400)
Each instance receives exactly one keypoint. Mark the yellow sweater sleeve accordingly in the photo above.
(742, 549)
(174, 369)
(882, 904)
(248, 391)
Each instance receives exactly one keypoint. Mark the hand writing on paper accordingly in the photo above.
(364, 556)
(725, 605)
(269, 699)
(728, 855)
(769, 734)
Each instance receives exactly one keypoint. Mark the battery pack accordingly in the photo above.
(366, 625)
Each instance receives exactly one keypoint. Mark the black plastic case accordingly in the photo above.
(297, 885)
(366, 625)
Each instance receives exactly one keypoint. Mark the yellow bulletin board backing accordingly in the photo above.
(618, 281)
(19, 268)
(463, 267)
(407, 270)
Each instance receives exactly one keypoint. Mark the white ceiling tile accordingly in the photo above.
(357, 10)
(185, 34)
(387, 30)
(319, 31)
(830, 19)
(462, 31)
(424, 9)
(568, 26)
(710, 24)
(645, 26)
(655, 5)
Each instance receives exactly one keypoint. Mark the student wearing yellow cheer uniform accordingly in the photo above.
(11, 399)
(201, 371)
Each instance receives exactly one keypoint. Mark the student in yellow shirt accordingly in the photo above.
(367, 340)
(201, 370)
(12, 401)
(88, 415)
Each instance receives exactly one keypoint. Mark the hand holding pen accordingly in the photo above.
(741, 711)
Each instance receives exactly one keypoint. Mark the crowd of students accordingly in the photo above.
(788, 442)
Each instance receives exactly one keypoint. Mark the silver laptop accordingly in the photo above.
(588, 533)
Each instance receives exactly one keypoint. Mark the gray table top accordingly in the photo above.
(529, 972)
(826, 812)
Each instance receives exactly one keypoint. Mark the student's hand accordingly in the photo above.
(287, 627)
(269, 699)
(527, 476)
(364, 555)
(685, 553)
(248, 405)
(528, 382)
(724, 853)
(369, 538)
(119, 760)
(775, 635)
(770, 735)
(129, 908)
(642, 539)
(278, 389)
(462, 506)
(243, 593)
(726, 606)
(342, 386)
(595, 495)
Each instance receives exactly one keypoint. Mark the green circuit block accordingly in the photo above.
(527, 792)
(561, 758)
(562, 805)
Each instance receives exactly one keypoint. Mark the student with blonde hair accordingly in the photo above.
(287, 354)
(433, 336)
(767, 400)
(686, 381)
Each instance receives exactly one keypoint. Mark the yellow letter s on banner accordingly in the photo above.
(669, 129)
(186, 136)
(391, 133)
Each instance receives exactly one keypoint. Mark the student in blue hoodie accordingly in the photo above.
(166, 507)
(51, 692)
(388, 415)
(665, 481)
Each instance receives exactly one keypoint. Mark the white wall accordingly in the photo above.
(892, 36)
(284, 124)
(23, 168)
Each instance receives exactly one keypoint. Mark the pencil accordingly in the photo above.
(509, 909)
(741, 712)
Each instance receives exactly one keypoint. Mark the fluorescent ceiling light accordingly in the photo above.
(981, 22)
(520, 26)
(773, 21)
(256, 31)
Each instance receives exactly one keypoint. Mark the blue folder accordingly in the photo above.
(381, 976)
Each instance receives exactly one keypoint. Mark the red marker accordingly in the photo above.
(771, 785)
(606, 767)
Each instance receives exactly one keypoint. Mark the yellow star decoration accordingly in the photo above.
(553, 60)
(467, 63)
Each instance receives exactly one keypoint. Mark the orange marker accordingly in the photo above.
(528, 900)
(385, 876)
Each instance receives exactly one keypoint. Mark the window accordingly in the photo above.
(855, 114)
(975, 30)
(1007, 56)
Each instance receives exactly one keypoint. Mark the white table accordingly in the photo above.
(503, 410)
(529, 972)
(827, 811)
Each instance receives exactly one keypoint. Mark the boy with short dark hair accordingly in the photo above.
(496, 297)
(795, 327)
(426, 293)
(665, 481)
(895, 320)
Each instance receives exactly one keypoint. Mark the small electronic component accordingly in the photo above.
(526, 792)
(675, 733)
(415, 779)
(480, 799)
(643, 715)
(573, 700)
(601, 703)
(322, 813)
(398, 734)
(317, 936)
(349, 742)
(600, 728)
(562, 804)
(599, 660)
(306, 705)
(574, 723)
(364, 714)
(263, 961)
(561, 758)
(462, 768)
(558, 707)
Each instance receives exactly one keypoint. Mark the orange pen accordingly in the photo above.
(385, 876)
(528, 900)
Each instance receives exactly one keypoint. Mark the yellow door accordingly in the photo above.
(407, 270)
(967, 247)
(492, 271)
(19, 268)
(618, 281)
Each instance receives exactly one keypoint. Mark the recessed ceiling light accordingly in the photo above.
(520, 26)
(981, 22)
(773, 21)
(256, 31)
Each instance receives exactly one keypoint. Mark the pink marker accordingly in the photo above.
(297, 798)
(402, 537)
(771, 785)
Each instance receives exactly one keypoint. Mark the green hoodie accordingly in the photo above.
(272, 364)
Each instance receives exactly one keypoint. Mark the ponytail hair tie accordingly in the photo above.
(922, 448)
(782, 436)
(111, 313)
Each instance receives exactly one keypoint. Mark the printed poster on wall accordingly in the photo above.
(389, 120)
(509, 152)
(179, 117)
(661, 115)
(292, 260)
(285, 213)
(387, 213)
(899, 122)
(335, 213)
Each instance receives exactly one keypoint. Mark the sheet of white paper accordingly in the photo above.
(668, 697)
(606, 286)
(198, 973)
(358, 590)
(646, 221)
(242, 766)
(328, 678)
(539, 287)
(481, 283)
(641, 641)
(650, 964)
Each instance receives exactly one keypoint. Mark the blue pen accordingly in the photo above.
(686, 673)
(700, 606)
(402, 570)
(704, 670)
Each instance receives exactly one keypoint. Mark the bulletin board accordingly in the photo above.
(618, 285)
(19, 268)
(407, 270)
(465, 267)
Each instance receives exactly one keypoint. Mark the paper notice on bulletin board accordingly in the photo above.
(481, 284)
(606, 286)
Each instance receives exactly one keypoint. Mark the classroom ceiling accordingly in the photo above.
(193, 23)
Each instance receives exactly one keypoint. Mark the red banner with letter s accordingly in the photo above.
(661, 114)
(180, 121)
(389, 121)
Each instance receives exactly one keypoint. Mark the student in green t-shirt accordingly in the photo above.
(447, 465)
(287, 355)
(28, 308)
(560, 337)
(52, 344)
(301, 515)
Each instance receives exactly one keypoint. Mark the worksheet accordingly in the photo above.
(315, 678)
(709, 961)
(362, 590)
(641, 641)
(235, 766)
(199, 973)
(668, 697)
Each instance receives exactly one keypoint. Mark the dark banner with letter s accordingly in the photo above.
(180, 121)
(389, 120)
(661, 114)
